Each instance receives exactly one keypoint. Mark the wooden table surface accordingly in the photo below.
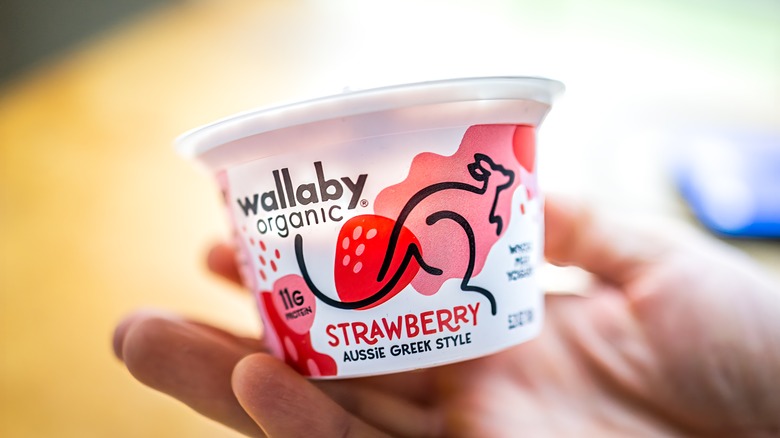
(100, 216)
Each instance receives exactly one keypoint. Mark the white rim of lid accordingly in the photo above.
(205, 138)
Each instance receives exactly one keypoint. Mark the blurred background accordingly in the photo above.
(672, 110)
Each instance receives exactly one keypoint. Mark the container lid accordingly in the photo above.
(205, 138)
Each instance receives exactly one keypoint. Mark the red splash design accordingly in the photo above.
(297, 349)
(524, 146)
(445, 244)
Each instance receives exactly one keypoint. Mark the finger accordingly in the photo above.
(576, 235)
(417, 386)
(120, 332)
(221, 260)
(383, 409)
(285, 404)
(193, 363)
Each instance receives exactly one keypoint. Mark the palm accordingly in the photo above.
(666, 342)
(618, 363)
(541, 388)
(576, 379)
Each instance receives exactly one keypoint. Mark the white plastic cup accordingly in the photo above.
(390, 229)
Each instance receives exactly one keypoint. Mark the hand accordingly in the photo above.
(677, 335)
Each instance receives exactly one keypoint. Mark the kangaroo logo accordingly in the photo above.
(490, 179)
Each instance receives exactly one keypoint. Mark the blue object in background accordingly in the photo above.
(731, 181)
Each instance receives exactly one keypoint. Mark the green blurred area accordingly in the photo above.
(746, 31)
(743, 31)
(32, 31)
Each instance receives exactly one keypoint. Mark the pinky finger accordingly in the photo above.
(221, 260)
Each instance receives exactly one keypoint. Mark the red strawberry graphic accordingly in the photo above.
(360, 251)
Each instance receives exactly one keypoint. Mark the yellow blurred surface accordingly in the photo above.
(99, 215)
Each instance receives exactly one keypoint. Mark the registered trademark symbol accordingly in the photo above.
(364, 203)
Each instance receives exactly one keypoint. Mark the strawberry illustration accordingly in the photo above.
(362, 246)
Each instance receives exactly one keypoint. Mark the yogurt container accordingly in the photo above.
(390, 229)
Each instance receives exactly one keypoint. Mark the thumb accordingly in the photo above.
(613, 251)
(285, 404)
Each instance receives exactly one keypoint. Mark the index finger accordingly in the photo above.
(577, 235)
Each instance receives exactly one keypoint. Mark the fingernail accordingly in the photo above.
(122, 328)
